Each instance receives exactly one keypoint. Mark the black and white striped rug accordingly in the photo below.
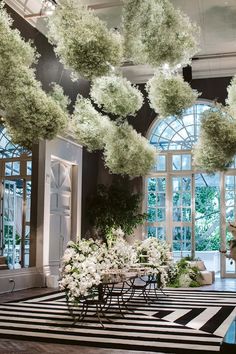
(185, 320)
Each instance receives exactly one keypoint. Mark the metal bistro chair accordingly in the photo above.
(79, 310)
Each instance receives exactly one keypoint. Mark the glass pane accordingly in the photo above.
(151, 231)
(152, 199)
(151, 184)
(16, 168)
(186, 197)
(161, 213)
(176, 199)
(176, 246)
(161, 233)
(29, 168)
(186, 233)
(176, 183)
(186, 184)
(186, 246)
(186, 215)
(28, 200)
(176, 162)
(8, 168)
(230, 202)
(186, 162)
(161, 184)
(177, 214)
(27, 246)
(151, 215)
(161, 199)
(229, 195)
(229, 182)
(177, 233)
(230, 214)
(161, 163)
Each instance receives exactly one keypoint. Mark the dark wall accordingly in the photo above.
(212, 88)
(48, 70)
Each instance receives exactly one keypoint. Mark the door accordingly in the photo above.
(60, 209)
(10, 236)
(207, 219)
(181, 217)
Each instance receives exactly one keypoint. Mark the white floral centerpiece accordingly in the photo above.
(116, 95)
(88, 263)
(81, 270)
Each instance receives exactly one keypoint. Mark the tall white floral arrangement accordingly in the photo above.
(88, 126)
(83, 42)
(128, 153)
(81, 270)
(116, 95)
(216, 146)
(156, 33)
(169, 94)
(29, 114)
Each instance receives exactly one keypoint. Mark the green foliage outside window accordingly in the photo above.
(207, 223)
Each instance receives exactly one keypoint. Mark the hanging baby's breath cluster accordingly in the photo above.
(29, 114)
(169, 94)
(217, 142)
(57, 93)
(88, 126)
(128, 153)
(125, 151)
(116, 95)
(156, 33)
(231, 100)
(83, 42)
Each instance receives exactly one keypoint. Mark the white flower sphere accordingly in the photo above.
(88, 126)
(169, 94)
(128, 153)
(83, 42)
(116, 95)
(156, 33)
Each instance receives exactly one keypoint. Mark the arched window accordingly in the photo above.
(178, 134)
(8, 149)
(15, 189)
(188, 208)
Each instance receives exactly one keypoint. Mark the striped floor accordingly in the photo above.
(184, 321)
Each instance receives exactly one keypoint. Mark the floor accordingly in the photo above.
(27, 347)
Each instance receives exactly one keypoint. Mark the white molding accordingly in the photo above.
(23, 278)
